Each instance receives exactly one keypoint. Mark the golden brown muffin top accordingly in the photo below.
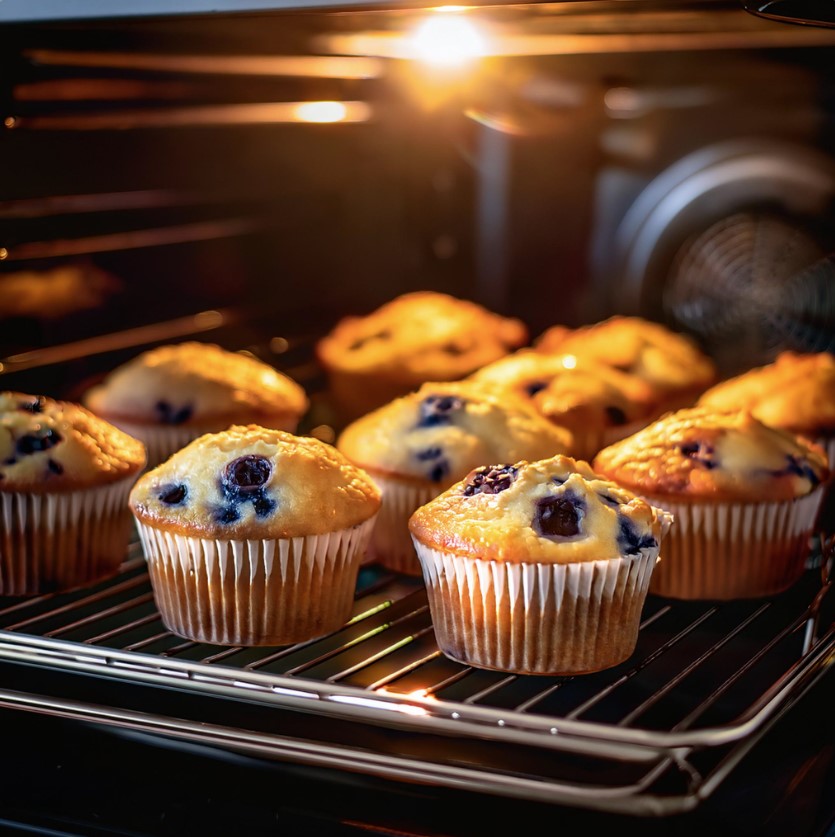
(47, 445)
(443, 430)
(421, 336)
(192, 382)
(702, 454)
(555, 510)
(665, 358)
(252, 482)
(796, 392)
(577, 393)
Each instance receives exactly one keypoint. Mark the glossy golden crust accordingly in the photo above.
(193, 383)
(302, 486)
(667, 359)
(573, 392)
(47, 445)
(399, 439)
(698, 453)
(506, 525)
(421, 336)
(795, 392)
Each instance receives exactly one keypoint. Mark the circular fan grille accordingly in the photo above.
(752, 285)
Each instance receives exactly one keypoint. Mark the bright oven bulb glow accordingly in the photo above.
(447, 41)
(321, 112)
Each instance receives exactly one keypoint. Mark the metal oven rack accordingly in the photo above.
(655, 735)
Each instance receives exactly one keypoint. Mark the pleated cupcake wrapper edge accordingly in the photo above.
(588, 441)
(55, 541)
(536, 618)
(734, 550)
(391, 542)
(254, 592)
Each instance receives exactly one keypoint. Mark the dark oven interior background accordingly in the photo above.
(674, 162)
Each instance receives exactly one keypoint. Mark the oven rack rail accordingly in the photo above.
(383, 671)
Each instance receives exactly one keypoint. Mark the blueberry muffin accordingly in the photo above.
(172, 394)
(539, 567)
(64, 483)
(254, 536)
(418, 445)
(417, 337)
(597, 403)
(745, 496)
(795, 392)
(671, 362)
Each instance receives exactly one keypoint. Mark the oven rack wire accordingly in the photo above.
(655, 735)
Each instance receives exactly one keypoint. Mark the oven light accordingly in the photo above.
(569, 362)
(447, 40)
(321, 112)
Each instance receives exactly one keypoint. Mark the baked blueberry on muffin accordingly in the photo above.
(597, 403)
(669, 361)
(254, 536)
(172, 394)
(537, 567)
(417, 337)
(745, 496)
(65, 475)
(418, 445)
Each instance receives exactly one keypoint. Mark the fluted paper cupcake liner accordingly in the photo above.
(254, 592)
(588, 441)
(53, 542)
(161, 441)
(391, 542)
(734, 550)
(536, 618)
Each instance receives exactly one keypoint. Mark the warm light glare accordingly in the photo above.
(569, 362)
(321, 112)
(447, 41)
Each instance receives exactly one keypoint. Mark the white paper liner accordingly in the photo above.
(536, 618)
(163, 440)
(391, 542)
(53, 542)
(254, 592)
(728, 551)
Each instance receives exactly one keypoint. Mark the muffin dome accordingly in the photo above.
(194, 383)
(700, 453)
(443, 430)
(48, 445)
(252, 482)
(555, 510)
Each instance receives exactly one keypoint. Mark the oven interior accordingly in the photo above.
(166, 178)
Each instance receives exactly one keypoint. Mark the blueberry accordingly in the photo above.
(429, 453)
(701, 453)
(54, 467)
(362, 341)
(630, 541)
(36, 405)
(535, 386)
(263, 505)
(453, 349)
(439, 471)
(609, 500)
(490, 479)
(227, 514)
(438, 409)
(558, 480)
(616, 415)
(798, 466)
(247, 473)
(168, 414)
(173, 495)
(39, 441)
(558, 517)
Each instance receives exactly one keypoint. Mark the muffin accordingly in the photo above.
(417, 337)
(170, 395)
(420, 444)
(540, 567)
(254, 536)
(796, 392)
(669, 361)
(597, 403)
(745, 497)
(64, 484)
